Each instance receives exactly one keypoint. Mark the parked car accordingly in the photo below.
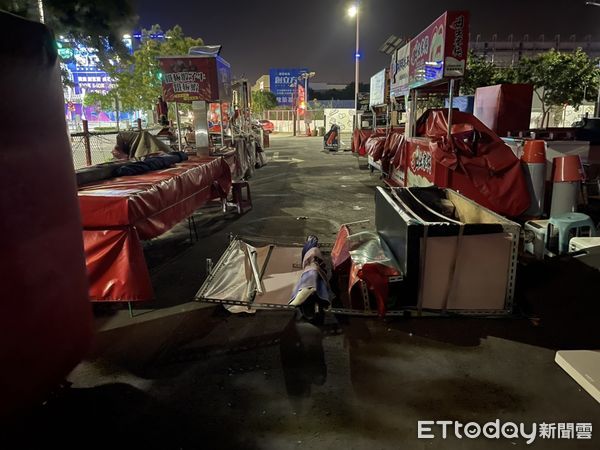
(266, 125)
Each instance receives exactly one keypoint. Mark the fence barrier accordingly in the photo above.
(93, 147)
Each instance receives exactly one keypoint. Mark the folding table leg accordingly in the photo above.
(192, 228)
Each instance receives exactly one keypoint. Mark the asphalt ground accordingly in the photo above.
(182, 374)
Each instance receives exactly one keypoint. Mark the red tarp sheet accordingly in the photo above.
(117, 213)
(384, 147)
(393, 148)
(479, 154)
(363, 257)
(374, 146)
(476, 163)
(359, 139)
(232, 157)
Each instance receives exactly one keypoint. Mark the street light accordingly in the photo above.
(353, 11)
(305, 76)
(592, 3)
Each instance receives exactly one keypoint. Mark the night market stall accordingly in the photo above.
(152, 189)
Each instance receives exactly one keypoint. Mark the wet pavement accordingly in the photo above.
(187, 375)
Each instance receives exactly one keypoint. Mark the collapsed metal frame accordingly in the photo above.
(508, 227)
(212, 270)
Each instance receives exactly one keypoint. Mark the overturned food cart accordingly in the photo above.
(428, 250)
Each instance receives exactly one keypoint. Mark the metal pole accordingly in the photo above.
(294, 101)
(306, 103)
(41, 10)
(597, 108)
(356, 65)
(178, 125)
(118, 112)
(222, 124)
(411, 113)
(86, 143)
(450, 101)
(306, 91)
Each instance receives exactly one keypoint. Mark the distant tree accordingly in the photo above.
(263, 101)
(104, 101)
(349, 89)
(137, 81)
(340, 94)
(560, 79)
(95, 24)
(329, 94)
(479, 72)
(314, 104)
(505, 75)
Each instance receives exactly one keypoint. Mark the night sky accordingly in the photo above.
(317, 34)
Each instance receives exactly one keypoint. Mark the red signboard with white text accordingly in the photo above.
(439, 51)
(191, 78)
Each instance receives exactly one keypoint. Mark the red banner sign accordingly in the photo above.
(214, 117)
(190, 78)
(457, 43)
(440, 51)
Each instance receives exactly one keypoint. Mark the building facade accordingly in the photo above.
(262, 84)
(505, 51)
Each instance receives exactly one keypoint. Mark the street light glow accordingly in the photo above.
(352, 11)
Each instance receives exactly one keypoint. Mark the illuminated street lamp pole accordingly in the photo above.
(305, 76)
(294, 87)
(353, 11)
